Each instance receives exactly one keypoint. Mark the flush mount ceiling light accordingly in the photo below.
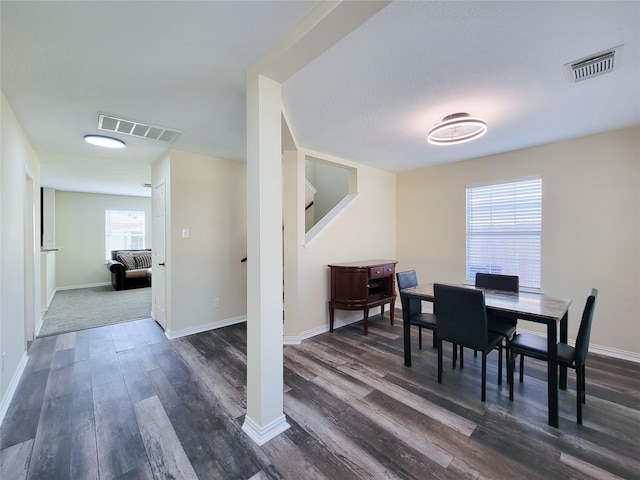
(102, 141)
(457, 128)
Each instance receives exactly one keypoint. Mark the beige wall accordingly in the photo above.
(207, 196)
(80, 235)
(365, 229)
(591, 226)
(19, 257)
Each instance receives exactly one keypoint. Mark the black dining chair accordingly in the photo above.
(535, 346)
(500, 324)
(462, 320)
(412, 307)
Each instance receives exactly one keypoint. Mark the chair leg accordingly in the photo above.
(461, 356)
(484, 376)
(439, 361)
(500, 364)
(579, 388)
(435, 338)
(455, 355)
(420, 338)
(510, 369)
(506, 356)
(584, 384)
(521, 368)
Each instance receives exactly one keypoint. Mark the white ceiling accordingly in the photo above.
(370, 98)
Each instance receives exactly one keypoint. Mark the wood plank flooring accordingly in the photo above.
(123, 402)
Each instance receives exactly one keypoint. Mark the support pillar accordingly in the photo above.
(265, 418)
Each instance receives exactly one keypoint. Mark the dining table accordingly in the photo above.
(534, 307)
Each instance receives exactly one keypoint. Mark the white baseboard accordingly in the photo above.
(598, 349)
(262, 435)
(204, 327)
(297, 339)
(39, 325)
(13, 385)
(86, 285)
(593, 348)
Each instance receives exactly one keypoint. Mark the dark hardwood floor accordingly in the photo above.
(124, 402)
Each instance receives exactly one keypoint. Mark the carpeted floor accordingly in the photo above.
(73, 310)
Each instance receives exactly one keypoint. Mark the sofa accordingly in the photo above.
(130, 268)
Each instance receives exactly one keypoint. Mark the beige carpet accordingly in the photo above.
(73, 310)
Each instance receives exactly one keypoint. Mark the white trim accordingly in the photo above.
(204, 327)
(262, 435)
(297, 339)
(87, 285)
(310, 186)
(598, 349)
(13, 386)
(40, 323)
(314, 232)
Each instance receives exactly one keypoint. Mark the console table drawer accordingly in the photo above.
(381, 271)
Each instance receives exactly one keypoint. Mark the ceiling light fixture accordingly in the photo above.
(457, 128)
(102, 141)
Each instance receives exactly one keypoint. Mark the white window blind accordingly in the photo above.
(123, 230)
(504, 230)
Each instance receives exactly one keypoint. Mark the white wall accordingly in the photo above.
(18, 159)
(591, 225)
(207, 196)
(80, 235)
(331, 183)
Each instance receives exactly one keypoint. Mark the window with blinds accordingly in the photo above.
(504, 230)
(123, 230)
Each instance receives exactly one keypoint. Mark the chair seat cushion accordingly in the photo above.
(493, 340)
(536, 346)
(426, 320)
(501, 328)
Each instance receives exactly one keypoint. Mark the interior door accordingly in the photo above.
(159, 254)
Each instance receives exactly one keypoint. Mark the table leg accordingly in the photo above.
(564, 326)
(330, 317)
(393, 302)
(365, 320)
(406, 330)
(552, 372)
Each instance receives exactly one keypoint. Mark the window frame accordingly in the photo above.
(507, 213)
(129, 243)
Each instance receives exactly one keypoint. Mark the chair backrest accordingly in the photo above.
(507, 283)
(582, 341)
(462, 315)
(409, 279)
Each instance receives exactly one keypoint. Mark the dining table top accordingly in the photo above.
(529, 305)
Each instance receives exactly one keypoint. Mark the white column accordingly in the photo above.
(265, 418)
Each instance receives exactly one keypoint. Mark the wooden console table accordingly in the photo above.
(361, 286)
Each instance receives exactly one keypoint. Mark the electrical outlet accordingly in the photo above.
(216, 302)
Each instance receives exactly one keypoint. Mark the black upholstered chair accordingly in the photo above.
(535, 346)
(502, 325)
(412, 307)
(462, 320)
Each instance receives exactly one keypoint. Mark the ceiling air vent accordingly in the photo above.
(136, 129)
(593, 65)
